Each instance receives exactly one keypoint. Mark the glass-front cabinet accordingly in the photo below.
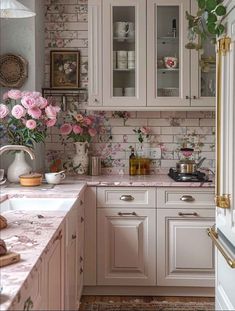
(203, 72)
(137, 57)
(168, 61)
(124, 52)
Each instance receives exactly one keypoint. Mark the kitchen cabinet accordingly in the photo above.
(54, 272)
(138, 59)
(74, 255)
(185, 254)
(32, 294)
(126, 231)
(126, 246)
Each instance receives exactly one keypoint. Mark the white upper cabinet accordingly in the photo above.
(168, 59)
(138, 59)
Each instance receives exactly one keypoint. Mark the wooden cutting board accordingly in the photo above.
(9, 258)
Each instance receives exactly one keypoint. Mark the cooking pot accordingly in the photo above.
(187, 166)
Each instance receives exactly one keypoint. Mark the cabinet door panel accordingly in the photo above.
(185, 252)
(124, 53)
(126, 247)
(168, 63)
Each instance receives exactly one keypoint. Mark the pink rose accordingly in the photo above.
(66, 129)
(14, 94)
(41, 102)
(92, 132)
(34, 112)
(18, 111)
(77, 129)
(51, 111)
(4, 111)
(50, 122)
(5, 96)
(28, 102)
(31, 124)
(87, 121)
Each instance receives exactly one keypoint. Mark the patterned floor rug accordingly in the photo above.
(153, 305)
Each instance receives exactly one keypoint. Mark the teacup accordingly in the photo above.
(54, 178)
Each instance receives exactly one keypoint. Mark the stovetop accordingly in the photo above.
(194, 177)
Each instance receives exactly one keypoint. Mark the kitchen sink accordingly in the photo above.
(37, 204)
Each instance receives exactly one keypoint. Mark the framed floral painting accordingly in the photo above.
(64, 69)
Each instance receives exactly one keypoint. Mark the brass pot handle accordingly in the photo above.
(215, 238)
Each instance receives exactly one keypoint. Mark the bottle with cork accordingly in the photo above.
(132, 163)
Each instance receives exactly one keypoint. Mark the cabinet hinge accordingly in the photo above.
(224, 45)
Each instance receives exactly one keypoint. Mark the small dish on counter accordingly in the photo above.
(30, 180)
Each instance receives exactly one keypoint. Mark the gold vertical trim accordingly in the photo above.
(221, 200)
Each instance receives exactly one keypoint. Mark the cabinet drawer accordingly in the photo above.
(126, 197)
(185, 197)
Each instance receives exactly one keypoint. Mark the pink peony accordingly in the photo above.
(50, 122)
(77, 129)
(35, 112)
(66, 129)
(92, 132)
(41, 102)
(87, 121)
(14, 94)
(26, 94)
(18, 111)
(28, 102)
(4, 111)
(51, 111)
(36, 94)
(31, 124)
(5, 96)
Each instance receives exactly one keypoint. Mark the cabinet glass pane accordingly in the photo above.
(167, 51)
(208, 70)
(124, 48)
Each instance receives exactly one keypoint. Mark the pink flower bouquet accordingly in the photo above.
(25, 117)
(81, 128)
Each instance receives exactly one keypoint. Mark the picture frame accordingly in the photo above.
(64, 69)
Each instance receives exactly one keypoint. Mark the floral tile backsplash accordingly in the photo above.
(66, 28)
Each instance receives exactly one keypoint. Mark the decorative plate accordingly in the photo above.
(13, 70)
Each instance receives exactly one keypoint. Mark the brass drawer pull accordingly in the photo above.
(74, 236)
(187, 198)
(81, 270)
(188, 214)
(126, 197)
(127, 214)
(82, 219)
(215, 238)
(81, 259)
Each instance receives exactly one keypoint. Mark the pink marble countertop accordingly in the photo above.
(134, 181)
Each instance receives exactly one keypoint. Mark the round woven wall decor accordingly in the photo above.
(13, 70)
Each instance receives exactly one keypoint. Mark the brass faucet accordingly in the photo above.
(18, 148)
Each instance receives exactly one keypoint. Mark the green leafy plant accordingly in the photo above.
(208, 23)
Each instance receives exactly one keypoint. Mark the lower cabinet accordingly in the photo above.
(54, 272)
(74, 256)
(185, 254)
(126, 246)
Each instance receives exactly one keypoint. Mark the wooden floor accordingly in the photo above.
(146, 299)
